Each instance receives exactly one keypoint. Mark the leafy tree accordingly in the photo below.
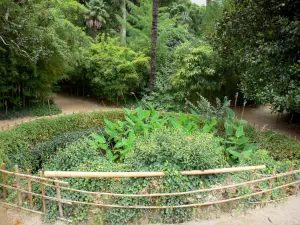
(96, 16)
(197, 71)
(38, 48)
(115, 70)
(260, 41)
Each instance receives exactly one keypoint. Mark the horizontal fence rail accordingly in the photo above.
(146, 174)
(61, 186)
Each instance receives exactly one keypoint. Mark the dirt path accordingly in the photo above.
(68, 105)
(286, 213)
(263, 117)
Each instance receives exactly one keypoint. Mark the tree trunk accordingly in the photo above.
(123, 26)
(95, 32)
(154, 41)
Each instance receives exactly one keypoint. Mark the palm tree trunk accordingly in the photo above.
(154, 41)
(123, 26)
(95, 32)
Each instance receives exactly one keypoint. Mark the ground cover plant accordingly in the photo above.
(145, 140)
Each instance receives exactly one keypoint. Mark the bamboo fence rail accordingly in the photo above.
(146, 174)
(57, 185)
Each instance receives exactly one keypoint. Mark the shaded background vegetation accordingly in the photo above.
(102, 48)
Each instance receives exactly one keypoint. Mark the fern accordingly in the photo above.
(204, 108)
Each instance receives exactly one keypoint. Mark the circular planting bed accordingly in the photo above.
(144, 141)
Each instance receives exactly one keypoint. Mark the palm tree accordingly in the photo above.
(154, 41)
(96, 16)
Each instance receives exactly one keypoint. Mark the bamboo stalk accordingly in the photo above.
(146, 174)
(43, 193)
(271, 184)
(186, 206)
(61, 214)
(18, 186)
(184, 193)
(33, 177)
(29, 190)
(4, 182)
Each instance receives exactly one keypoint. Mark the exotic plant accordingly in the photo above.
(120, 136)
(96, 16)
(235, 141)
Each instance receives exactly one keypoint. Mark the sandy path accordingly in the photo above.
(68, 105)
(287, 213)
(262, 116)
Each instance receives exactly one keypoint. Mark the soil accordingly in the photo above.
(286, 213)
(263, 117)
(68, 104)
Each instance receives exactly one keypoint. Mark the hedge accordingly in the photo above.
(16, 145)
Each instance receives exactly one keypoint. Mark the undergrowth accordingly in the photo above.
(41, 109)
(146, 140)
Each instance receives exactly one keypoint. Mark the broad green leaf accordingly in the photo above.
(239, 132)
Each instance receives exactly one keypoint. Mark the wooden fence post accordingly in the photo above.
(29, 190)
(58, 193)
(18, 185)
(43, 192)
(271, 184)
(289, 178)
(4, 182)
(295, 189)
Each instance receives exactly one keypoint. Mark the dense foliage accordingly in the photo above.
(39, 46)
(143, 140)
(259, 40)
(115, 71)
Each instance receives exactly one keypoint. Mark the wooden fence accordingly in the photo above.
(22, 185)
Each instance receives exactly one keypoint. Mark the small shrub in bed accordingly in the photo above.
(179, 150)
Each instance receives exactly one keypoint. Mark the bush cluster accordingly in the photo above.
(171, 148)
(16, 145)
(163, 142)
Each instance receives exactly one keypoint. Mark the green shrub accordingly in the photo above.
(280, 147)
(40, 109)
(75, 154)
(16, 145)
(114, 70)
(45, 150)
(171, 148)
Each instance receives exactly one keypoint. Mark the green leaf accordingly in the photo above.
(239, 132)
(233, 152)
(119, 144)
